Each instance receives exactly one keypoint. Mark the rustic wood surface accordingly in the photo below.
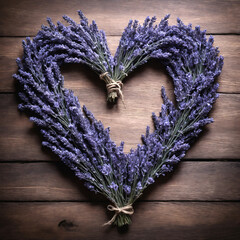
(190, 181)
(219, 140)
(152, 220)
(11, 48)
(41, 199)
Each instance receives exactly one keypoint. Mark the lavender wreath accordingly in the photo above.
(81, 141)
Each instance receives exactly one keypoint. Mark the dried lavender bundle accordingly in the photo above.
(81, 141)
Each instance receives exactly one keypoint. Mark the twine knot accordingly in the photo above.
(128, 209)
(112, 85)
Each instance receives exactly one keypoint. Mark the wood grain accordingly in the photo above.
(11, 48)
(20, 18)
(54, 182)
(40, 199)
(21, 141)
(155, 221)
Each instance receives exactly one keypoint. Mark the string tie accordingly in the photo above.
(128, 209)
(112, 85)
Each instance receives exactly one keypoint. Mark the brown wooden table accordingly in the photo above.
(39, 197)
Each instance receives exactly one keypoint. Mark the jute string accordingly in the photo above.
(128, 209)
(112, 86)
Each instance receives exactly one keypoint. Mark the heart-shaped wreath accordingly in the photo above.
(80, 140)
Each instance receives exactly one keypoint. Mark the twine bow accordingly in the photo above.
(112, 85)
(128, 209)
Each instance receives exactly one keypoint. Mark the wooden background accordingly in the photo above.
(40, 199)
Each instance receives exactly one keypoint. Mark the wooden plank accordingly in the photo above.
(54, 182)
(230, 49)
(20, 140)
(11, 48)
(156, 221)
(20, 18)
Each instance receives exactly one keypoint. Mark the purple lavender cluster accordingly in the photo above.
(140, 43)
(81, 141)
(193, 63)
(75, 43)
(72, 133)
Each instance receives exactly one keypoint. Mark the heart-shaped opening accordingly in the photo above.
(142, 91)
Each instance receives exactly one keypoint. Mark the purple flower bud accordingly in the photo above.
(106, 169)
(150, 180)
(127, 189)
(113, 186)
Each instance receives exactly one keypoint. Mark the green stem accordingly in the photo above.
(122, 219)
(112, 97)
